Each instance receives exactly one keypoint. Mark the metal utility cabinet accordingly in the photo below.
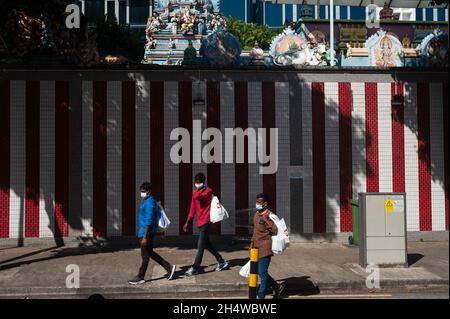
(383, 229)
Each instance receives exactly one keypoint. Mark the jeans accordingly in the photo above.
(265, 278)
(147, 253)
(204, 242)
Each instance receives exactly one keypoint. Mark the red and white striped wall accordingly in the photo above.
(354, 139)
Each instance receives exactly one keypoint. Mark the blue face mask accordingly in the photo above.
(259, 207)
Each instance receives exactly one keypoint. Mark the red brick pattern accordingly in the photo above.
(372, 164)
(423, 135)
(398, 139)
(345, 155)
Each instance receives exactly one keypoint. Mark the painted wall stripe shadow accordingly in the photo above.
(99, 158)
(128, 158)
(332, 144)
(185, 169)
(227, 170)
(32, 98)
(213, 120)
(446, 141)
(372, 165)
(411, 158)
(398, 137)
(437, 158)
(423, 133)
(345, 156)
(47, 157)
(62, 159)
(241, 169)
(318, 153)
(268, 122)
(5, 101)
(171, 170)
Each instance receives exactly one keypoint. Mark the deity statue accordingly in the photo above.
(256, 54)
(190, 55)
(386, 55)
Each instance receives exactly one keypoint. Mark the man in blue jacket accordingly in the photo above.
(148, 225)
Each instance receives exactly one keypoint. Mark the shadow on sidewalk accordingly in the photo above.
(61, 252)
(299, 286)
(58, 252)
(413, 258)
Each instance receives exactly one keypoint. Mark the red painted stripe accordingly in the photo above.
(128, 158)
(32, 96)
(345, 155)
(446, 159)
(372, 165)
(241, 169)
(423, 135)
(5, 99)
(268, 122)
(213, 120)
(99, 158)
(398, 138)
(318, 152)
(185, 169)
(157, 139)
(62, 106)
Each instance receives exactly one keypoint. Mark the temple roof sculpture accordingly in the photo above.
(385, 49)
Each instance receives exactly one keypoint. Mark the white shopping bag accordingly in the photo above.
(245, 270)
(163, 221)
(217, 212)
(281, 240)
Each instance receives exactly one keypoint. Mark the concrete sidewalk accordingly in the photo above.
(305, 269)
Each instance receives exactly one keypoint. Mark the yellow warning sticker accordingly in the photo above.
(389, 205)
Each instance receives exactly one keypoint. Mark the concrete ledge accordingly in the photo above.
(341, 238)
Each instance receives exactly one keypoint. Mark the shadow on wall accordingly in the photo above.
(330, 119)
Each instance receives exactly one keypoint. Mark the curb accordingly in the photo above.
(217, 290)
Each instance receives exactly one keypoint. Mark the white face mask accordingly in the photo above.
(259, 207)
(143, 194)
(198, 186)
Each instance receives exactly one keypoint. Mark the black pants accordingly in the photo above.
(147, 253)
(204, 242)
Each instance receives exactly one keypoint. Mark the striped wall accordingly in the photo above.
(350, 138)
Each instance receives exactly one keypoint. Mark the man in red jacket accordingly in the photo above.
(201, 205)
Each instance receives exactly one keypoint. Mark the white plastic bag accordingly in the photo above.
(163, 221)
(281, 240)
(217, 212)
(245, 270)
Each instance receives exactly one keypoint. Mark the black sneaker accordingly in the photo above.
(170, 273)
(136, 280)
(278, 293)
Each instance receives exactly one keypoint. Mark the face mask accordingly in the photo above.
(259, 207)
(198, 186)
(143, 194)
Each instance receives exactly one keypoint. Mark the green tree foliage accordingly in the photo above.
(117, 39)
(248, 33)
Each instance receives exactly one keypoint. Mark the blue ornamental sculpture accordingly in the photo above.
(220, 48)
